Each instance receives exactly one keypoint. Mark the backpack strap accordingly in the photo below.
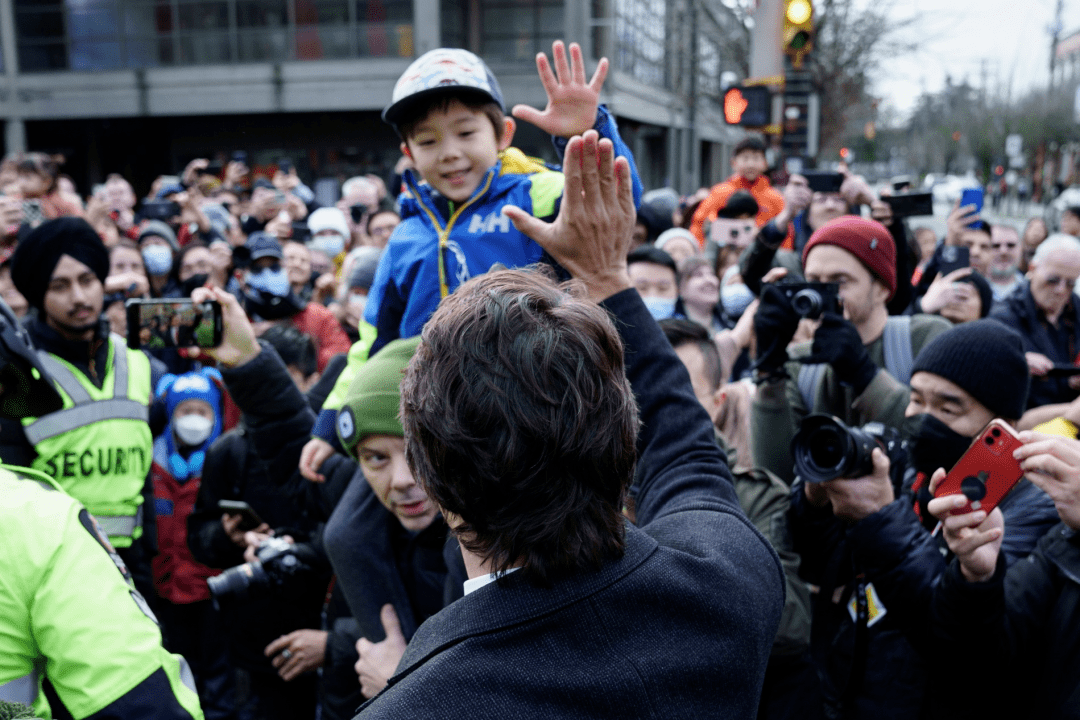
(810, 376)
(899, 358)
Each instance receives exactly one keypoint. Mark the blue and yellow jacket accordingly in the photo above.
(439, 246)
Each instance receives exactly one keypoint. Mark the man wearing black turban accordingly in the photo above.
(99, 446)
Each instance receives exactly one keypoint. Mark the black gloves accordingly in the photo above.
(775, 324)
(837, 343)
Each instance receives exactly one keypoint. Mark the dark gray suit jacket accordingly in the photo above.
(681, 626)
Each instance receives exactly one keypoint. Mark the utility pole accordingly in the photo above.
(1055, 33)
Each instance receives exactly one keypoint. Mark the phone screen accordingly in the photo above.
(173, 323)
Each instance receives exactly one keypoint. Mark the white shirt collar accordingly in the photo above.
(476, 583)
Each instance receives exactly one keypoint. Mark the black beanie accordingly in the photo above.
(37, 254)
(982, 285)
(985, 358)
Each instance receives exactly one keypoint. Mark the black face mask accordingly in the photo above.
(934, 444)
(271, 307)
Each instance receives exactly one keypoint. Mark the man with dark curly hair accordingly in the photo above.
(525, 410)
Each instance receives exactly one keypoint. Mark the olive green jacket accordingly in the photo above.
(778, 407)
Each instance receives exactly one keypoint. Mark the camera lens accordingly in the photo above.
(808, 303)
(989, 440)
(995, 432)
(825, 449)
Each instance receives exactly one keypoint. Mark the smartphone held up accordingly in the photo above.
(987, 471)
(173, 323)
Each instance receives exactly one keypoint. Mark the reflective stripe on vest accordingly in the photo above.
(98, 447)
(21, 690)
(120, 525)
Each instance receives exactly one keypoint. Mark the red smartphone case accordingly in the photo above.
(987, 471)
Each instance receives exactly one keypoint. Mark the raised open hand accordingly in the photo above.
(572, 103)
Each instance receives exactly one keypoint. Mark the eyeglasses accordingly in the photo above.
(1006, 246)
(1055, 281)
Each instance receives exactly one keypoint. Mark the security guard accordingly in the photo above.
(73, 630)
(98, 447)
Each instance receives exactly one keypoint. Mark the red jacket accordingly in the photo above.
(323, 327)
(177, 577)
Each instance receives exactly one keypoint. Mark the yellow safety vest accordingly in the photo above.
(98, 447)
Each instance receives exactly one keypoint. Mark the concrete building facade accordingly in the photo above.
(142, 86)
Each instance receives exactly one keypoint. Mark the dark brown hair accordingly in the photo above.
(42, 164)
(519, 420)
(418, 111)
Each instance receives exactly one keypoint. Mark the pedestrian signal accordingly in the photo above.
(748, 106)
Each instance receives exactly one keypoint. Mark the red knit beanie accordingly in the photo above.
(867, 240)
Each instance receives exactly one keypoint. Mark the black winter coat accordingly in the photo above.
(1019, 312)
(1016, 637)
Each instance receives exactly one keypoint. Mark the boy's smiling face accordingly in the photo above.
(454, 147)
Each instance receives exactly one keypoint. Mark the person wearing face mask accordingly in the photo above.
(383, 535)
(268, 295)
(190, 624)
(655, 277)
(872, 535)
(158, 246)
(860, 360)
(329, 233)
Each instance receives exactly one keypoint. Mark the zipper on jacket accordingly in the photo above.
(444, 233)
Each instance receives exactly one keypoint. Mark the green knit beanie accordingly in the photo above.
(372, 403)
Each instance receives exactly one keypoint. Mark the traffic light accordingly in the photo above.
(798, 30)
(750, 106)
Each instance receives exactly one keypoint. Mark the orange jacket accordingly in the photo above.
(769, 200)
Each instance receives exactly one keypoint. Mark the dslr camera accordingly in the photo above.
(277, 561)
(812, 299)
(826, 449)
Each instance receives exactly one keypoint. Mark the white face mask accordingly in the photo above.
(193, 430)
(332, 245)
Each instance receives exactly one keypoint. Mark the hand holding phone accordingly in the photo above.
(986, 472)
(173, 323)
(249, 519)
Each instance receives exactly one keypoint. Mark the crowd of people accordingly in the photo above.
(499, 438)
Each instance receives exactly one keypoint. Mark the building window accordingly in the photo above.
(640, 27)
(516, 30)
(112, 34)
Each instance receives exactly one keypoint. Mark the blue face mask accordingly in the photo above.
(660, 308)
(332, 245)
(267, 280)
(735, 298)
(158, 259)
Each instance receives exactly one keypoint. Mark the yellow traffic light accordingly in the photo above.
(799, 11)
(798, 29)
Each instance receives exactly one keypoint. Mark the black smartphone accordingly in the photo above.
(1063, 371)
(823, 181)
(911, 204)
(357, 211)
(214, 168)
(300, 231)
(163, 210)
(953, 258)
(172, 323)
(249, 519)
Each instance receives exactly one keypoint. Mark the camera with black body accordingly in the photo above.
(277, 561)
(812, 299)
(825, 448)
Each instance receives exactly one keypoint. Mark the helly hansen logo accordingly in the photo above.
(481, 224)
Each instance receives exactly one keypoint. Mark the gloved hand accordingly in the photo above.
(775, 324)
(837, 343)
